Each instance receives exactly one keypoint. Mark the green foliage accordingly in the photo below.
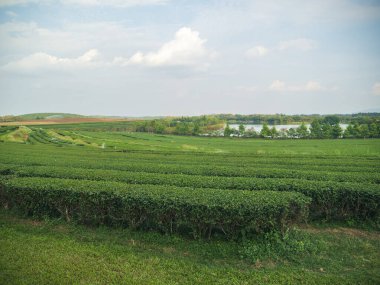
(302, 131)
(167, 209)
(336, 131)
(54, 252)
(241, 129)
(330, 199)
(265, 131)
(227, 131)
(290, 245)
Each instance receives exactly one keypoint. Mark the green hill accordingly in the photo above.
(42, 116)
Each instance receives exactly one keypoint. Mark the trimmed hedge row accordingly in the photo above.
(358, 177)
(50, 151)
(330, 200)
(163, 208)
(98, 162)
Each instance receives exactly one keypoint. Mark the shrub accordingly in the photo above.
(164, 208)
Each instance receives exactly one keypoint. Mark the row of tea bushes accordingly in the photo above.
(165, 208)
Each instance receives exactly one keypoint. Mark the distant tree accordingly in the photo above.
(364, 131)
(159, 127)
(349, 132)
(316, 129)
(241, 129)
(331, 120)
(197, 129)
(336, 131)
(291, 133)
(251, 133)
(182, 128)
(356, 130)
(302, 131)
(228, 131)
(265, 131)
(273, 132)
(282, 133)
(374, 130)
(327, 131)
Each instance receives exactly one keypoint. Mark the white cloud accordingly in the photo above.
(297, 44)
(43, 61)
(257, 51)
(19, 2)
(277, 85)
(376, 88)
(113, 38)
(312, 86)
(114, 3)
(186, 49)
(309, 86)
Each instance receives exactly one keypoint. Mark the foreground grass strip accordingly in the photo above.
(166, 209)
(52, 252)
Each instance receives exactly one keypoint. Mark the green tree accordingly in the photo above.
(302, 131)
(331, 120)
(251, 133)
(364, 131)
(273, 132)
(265, 131)
(356, 130)
(374, 130)
(336, 131)
(197, 129)
(327, 131)
(349, 132)
(159, 127)
(228, 131)
(291, 133)
(316, 129)
(182, 128)
(241, 129)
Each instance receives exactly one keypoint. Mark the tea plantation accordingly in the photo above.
(96, 207)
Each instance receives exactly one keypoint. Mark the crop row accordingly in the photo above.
(167, 209)
(336, 200)
(227, 160)
(203, 170)
(25, 154)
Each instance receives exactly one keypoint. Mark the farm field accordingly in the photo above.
(165, 209)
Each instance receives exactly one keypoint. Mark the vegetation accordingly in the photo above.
(282, 119)
(55, 252)
(37, 116)
(223, 206)
(366, 125)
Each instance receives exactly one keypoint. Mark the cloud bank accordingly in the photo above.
(43, 61)
(186, 49)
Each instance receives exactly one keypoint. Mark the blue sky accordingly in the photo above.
(162, 57)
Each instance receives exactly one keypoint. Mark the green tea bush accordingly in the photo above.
(164, 208)
(330, 200)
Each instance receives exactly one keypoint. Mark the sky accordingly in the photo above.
(179, 57)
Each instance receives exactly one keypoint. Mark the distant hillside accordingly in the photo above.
(43, 116)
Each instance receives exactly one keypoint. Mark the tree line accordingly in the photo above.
(326, 128)
(181, 125)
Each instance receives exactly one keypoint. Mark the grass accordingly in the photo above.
(52, 252)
